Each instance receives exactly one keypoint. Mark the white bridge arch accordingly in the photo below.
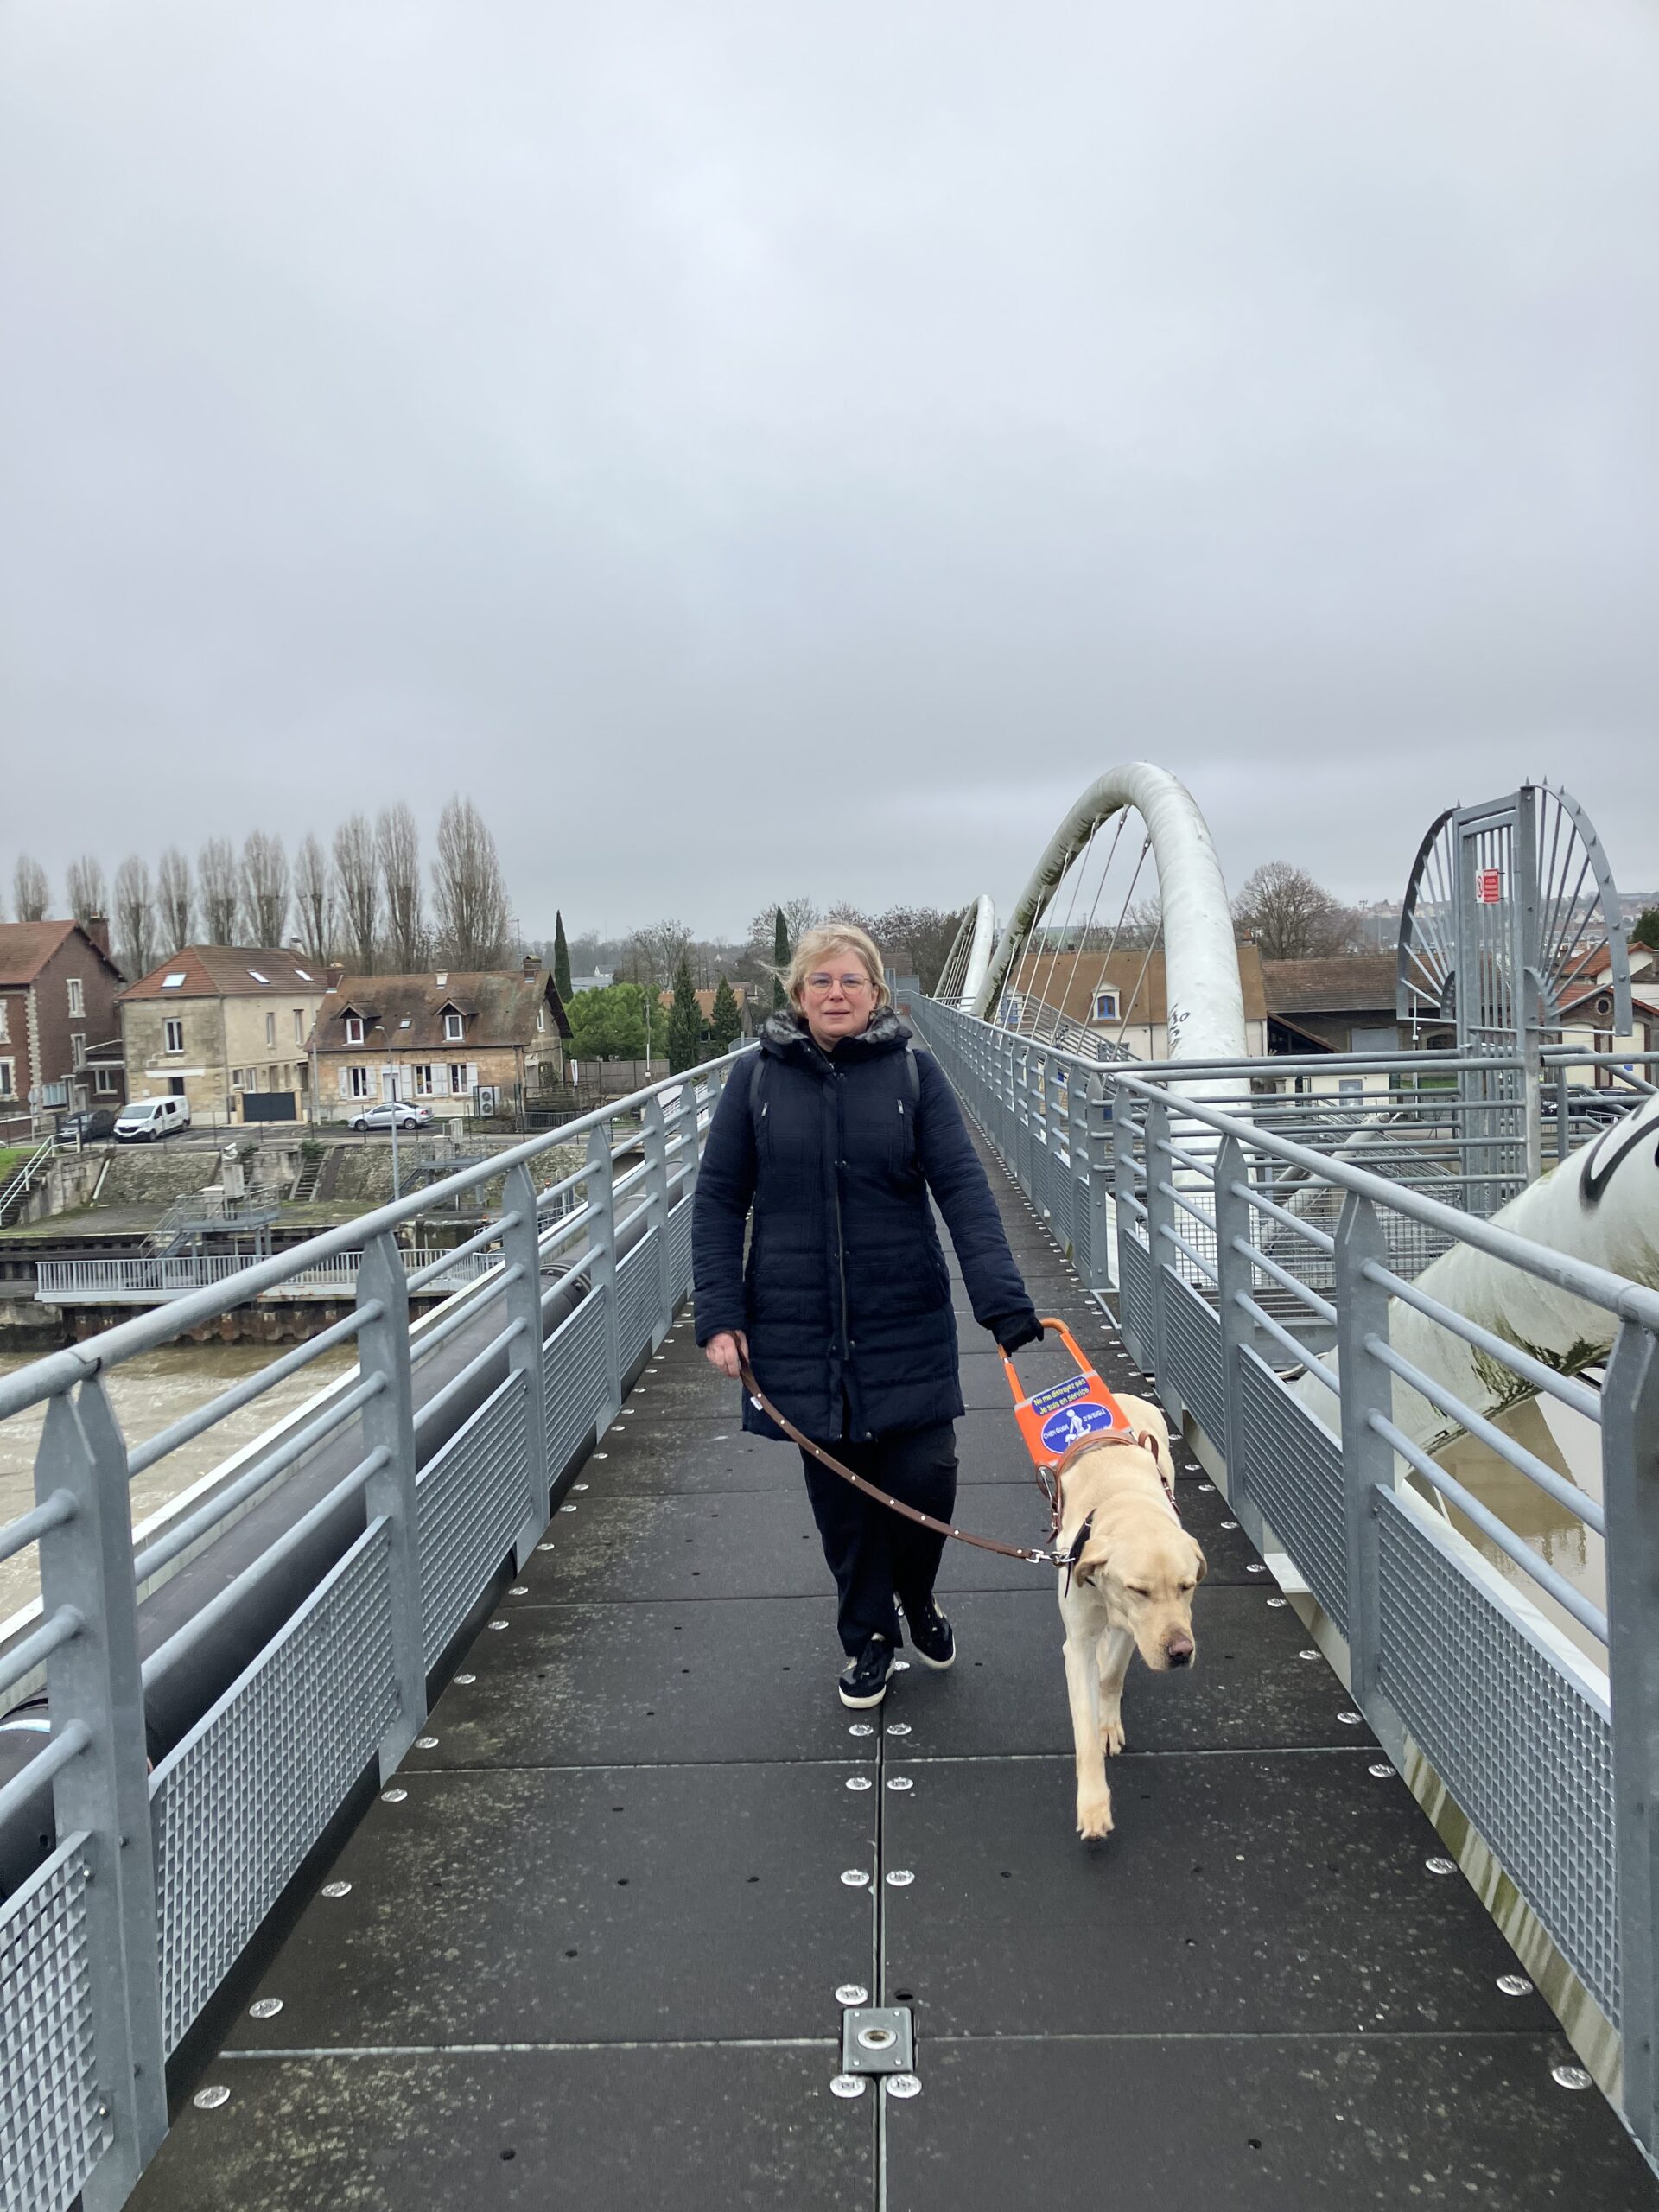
(1205, 1001)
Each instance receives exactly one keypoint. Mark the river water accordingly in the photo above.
(147, 1394)
(1566, 1442)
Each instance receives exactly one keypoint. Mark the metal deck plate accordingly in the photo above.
(1250, 1690)
(655, 1903)
(738, 1544)
(752, 1678)
(1240, 1893)
(659, 1458)
(1258, 2125)
(700, 2130)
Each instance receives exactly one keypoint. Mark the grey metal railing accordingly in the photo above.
(23, 1179)
(152, 1282)
(158, 1881)
(1534, 1704)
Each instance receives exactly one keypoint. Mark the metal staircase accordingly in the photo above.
(13, 1195)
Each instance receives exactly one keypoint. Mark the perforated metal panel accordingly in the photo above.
(53, 2132)
(1192, 1351)
(473, 1498)
(1507, 1729)
(575, 1378)
(679, 1250)
(1291, 1465)
(1082, 1226)
(637, 1293)
(240, 1803)
(1135, 1290)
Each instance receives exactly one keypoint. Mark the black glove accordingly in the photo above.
(1014, 1333)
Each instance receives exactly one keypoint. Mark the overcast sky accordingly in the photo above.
(761, 449)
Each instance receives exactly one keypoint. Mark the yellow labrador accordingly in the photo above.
(1133, 1570)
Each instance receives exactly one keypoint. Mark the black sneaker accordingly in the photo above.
(864, 1683)
(932, 1636)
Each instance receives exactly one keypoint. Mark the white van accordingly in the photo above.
(147, 1120)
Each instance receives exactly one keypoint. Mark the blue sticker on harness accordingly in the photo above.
(1059, 1394)
(1073, 1423)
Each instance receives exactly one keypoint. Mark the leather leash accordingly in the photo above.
(1027, 1552)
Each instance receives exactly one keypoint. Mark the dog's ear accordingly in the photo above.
(1203, 1563)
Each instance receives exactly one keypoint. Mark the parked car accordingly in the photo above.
(147, 1120)
(388, 1115)
(1584, 1104)
(87, 1125)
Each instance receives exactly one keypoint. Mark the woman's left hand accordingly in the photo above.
(725, 1351)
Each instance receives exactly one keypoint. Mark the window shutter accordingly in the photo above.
(345, 1084)
(472, 1074)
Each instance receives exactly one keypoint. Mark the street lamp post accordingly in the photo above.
(391, 1092)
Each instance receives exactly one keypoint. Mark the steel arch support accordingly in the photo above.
(1205, 1000)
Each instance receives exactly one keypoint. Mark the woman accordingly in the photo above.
(833, 1134)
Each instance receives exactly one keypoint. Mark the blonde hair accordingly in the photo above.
(833, 936)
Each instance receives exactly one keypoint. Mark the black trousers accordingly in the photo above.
(875, 1555)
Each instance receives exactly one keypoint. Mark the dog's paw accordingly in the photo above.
(1112, 1738)
(1094, 1818)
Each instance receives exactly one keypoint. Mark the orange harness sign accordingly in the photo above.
(1061, 1415)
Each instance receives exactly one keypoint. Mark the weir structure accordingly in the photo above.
(446, 1798)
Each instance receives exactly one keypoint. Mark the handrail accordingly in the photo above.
(1613, 1294)
(62, 1371)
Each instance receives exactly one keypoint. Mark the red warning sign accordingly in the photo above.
(1489, 886)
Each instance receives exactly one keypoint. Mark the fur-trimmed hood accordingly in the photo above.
(785, 1034)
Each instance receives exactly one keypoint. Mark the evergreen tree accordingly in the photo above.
(561, 959)
(1646, 931)
(684, 1022)
(609, 1024)
(781, 952)
(725, 1024)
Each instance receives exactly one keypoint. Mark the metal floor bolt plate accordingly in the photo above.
(877, 2039)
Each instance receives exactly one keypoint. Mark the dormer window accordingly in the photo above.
(354, 1029)
(1105, 1005)
(454, 1028)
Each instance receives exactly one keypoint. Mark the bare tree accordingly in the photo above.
(265, 887)
(799, 915)
(29, 893)
(134, 916)
(221, 893)
(654, 954)
(175, 900)
(467, 890)
(357, 880)
(88, 891)
(399, 845)
(314, 900)
(1289, 915)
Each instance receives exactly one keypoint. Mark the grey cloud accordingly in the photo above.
(752, 448)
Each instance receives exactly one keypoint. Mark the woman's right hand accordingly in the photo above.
(725, 1351)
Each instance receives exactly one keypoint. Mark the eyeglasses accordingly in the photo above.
(852, 985)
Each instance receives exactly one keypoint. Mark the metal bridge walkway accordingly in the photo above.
(590, 1956)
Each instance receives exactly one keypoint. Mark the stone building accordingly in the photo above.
(485, 1042)
(227, 1027)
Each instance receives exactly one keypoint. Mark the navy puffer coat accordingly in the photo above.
(846, 1290)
